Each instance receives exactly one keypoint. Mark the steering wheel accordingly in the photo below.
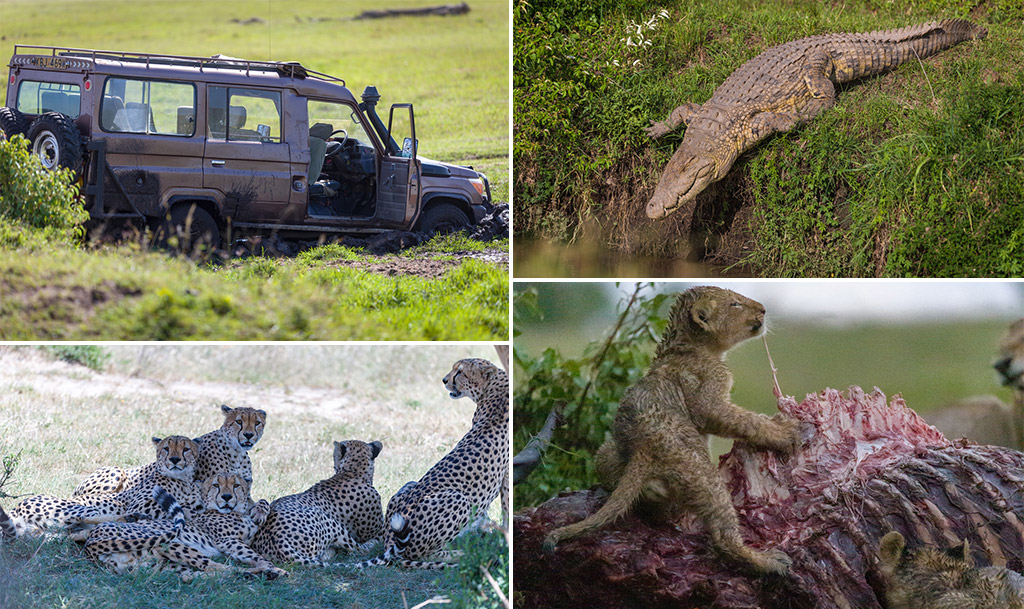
(344, 139)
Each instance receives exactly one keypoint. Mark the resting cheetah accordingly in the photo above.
(425, 516)
(222, 450)
(223, 529)
(175, 463)
(342, 512)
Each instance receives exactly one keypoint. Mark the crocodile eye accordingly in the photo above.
(735, 303)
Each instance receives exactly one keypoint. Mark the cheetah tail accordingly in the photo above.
(619, 503)
(7, 529)
(380, 561)
(170, 505)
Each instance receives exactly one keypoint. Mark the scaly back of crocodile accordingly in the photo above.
(777, 70)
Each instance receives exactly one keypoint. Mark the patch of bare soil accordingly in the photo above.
(422, 267)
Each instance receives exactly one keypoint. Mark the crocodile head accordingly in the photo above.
(686, 175)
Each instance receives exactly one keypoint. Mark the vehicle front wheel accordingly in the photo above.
(188, 228)
(443, 218)
(56, 141)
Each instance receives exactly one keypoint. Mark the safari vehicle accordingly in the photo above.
(201, 145)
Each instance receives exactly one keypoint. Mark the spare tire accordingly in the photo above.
(443, 218)
(56, 141)
(12, 122)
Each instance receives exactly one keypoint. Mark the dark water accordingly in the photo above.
(543, 259)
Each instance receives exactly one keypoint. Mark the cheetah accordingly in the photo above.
(172, 470)
(426, 515)
(224, 528)
(342, 512)
(222, 450)
(928, 578)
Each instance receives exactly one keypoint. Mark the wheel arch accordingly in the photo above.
(432, 199)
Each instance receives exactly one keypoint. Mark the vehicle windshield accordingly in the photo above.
(337, 116)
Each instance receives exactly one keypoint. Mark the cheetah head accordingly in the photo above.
(244, 425)
(176, 456)
(468, 377)
(226, 493)
(1010, 363)
(356, 457)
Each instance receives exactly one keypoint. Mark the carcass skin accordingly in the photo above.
(868, 467)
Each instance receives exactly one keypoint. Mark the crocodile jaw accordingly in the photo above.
(686, 175)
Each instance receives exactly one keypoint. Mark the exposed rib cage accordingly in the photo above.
(869, 467)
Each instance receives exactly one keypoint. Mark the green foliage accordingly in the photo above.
(37, 198)
(483, 551)
(90, 356)
(586, 389)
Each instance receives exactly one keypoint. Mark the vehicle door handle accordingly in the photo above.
(217, 163)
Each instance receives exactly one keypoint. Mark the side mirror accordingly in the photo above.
(407, 147)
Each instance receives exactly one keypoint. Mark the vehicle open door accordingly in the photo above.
(398, 186)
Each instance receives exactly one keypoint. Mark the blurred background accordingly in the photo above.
(931, 341)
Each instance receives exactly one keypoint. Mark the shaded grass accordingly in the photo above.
(61, 417)
(68, 294)
(890, 182)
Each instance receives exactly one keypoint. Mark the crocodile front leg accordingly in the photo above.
(682, 114)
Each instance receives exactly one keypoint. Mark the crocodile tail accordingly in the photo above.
(927, 39)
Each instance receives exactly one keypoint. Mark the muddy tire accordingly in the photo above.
(55, 139)
(12, 123)
(443, 218)
(188, 228)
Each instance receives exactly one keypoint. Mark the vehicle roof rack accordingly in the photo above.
(289, 69)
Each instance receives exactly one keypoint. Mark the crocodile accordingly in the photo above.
(783, 87)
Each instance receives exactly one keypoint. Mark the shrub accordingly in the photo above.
(586, 390)
(484, 552)
(89, 356)
(38, 198)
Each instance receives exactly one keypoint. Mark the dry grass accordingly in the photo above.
(68, 420)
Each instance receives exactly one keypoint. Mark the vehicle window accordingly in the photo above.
(39, 97)
(148, 106)
(248, 115)
(336, 116)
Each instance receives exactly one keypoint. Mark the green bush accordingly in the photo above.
(35, 197)
(89, 356)
(486, 551)
(586, 389)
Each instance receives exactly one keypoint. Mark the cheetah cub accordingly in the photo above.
(657, 458)
(928, 578)
(341, 513)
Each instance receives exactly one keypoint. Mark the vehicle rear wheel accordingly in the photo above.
(443, 218)
(56, 141)
(192, 228)
(12, 122)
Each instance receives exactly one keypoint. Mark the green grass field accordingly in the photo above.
(917, 172)
(454, 70)
(66, 420)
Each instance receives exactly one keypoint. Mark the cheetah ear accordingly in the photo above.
(262, 413)
(890, 549)
(375, 448)
(157, 440)
(339, 451)
(225, 408)
(701, 312)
